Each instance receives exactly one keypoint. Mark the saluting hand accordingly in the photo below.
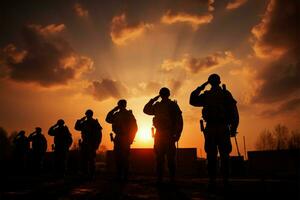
(116, 108)
(202, 87)
(156, 98)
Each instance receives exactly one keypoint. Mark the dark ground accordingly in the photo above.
(46, 187)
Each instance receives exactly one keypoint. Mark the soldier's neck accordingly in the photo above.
(164, 99)
(215, 87)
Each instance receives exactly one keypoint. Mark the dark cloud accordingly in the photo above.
(46, 57)
(277, 42)
(194, 20)
(287, 107)
(80, 10)
(152, 87)
(106, 89)
(234, 4)
(194, 64)
(191, 6)
(121, 32)
(192, 12)
(280, 80)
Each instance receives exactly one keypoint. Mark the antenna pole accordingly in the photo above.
(245, 147)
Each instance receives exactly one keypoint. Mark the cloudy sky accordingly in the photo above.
(58, 58)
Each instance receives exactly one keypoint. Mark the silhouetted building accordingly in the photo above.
(274, 163)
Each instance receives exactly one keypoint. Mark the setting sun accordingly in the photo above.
(144, 136)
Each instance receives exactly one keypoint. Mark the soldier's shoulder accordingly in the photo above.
(206, 92)
(229, 96)
(95, 121)
(227, 93)
(174, 103)
(156, 104)
(130, 112)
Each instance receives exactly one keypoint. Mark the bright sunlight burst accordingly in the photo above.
(144, 136)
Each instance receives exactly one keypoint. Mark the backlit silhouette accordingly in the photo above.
(91, 135)
(221, 117)
(38, 149)
(62, 142)
(168, 124)
(21, 150)
(125, 127)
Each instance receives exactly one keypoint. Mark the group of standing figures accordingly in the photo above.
(219, 113)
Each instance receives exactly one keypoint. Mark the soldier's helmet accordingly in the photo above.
(22, 132)
(122, 103)
(214, 79)
(60, 122)
(89, 113)
(38, 129)
(164, 92)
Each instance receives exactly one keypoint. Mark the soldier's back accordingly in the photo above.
(164, 113)
(62, 137)
(214, 108)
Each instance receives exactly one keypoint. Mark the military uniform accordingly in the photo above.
(38, 150)
(167, 133)
(62, 143)
(21, 149)
(124, 126)
(91, 134)
(215, 103)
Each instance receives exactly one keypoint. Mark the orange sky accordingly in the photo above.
(61, 58)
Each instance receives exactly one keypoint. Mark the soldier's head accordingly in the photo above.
(164, 93)
(38, 130)
(22, 133)
(122, 103)
(214, 80)
(60, 122)
(89, 113)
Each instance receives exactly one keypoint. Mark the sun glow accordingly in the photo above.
(144, 135)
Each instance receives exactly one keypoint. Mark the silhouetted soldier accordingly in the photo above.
(62, 142)
(91, 134)
(125, 127)
(222, 118)
(168, 123)
(38, 148)
(21, 149)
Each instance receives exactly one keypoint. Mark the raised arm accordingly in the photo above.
(195, 98)
(111, 115)
(31, 136)
(78, 124)
(149, 107)
(51, 130)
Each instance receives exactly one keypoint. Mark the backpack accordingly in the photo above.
(92, 133)
(125, 125)
(220, 107)
(168, 118)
